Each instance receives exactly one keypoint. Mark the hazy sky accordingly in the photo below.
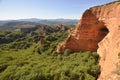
(46, 9)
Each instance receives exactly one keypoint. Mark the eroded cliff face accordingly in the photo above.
(98, 30)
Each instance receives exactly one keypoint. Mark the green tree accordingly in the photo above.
(67, 52)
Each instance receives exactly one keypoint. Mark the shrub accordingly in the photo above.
(67, 52)
(3, 67)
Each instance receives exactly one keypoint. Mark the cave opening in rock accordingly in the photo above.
(104, 31)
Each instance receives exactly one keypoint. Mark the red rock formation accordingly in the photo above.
(87, 34)
(60, 27)
(42, 42)
(70, 30)
(42, 29)
(91, 33)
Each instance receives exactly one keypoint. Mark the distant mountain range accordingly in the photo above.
(51, 21)
(16, 24)
(42, 21)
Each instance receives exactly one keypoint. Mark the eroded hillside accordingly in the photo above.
(98, 30)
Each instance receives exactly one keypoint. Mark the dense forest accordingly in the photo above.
(32, 56)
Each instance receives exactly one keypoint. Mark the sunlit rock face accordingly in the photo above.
(87, 34)
(98, 30)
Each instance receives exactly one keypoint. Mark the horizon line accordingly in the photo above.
(39, 19)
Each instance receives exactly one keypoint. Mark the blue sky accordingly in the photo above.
(46, 9)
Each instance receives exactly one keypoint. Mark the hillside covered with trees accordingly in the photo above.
(32, 56)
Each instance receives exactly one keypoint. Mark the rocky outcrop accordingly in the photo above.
(60, 27)
(98, 30)
(42, 42)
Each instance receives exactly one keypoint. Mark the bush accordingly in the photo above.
(67, 52)
(3, 67)
(20, 45)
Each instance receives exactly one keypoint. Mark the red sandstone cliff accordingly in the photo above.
(98, 30)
